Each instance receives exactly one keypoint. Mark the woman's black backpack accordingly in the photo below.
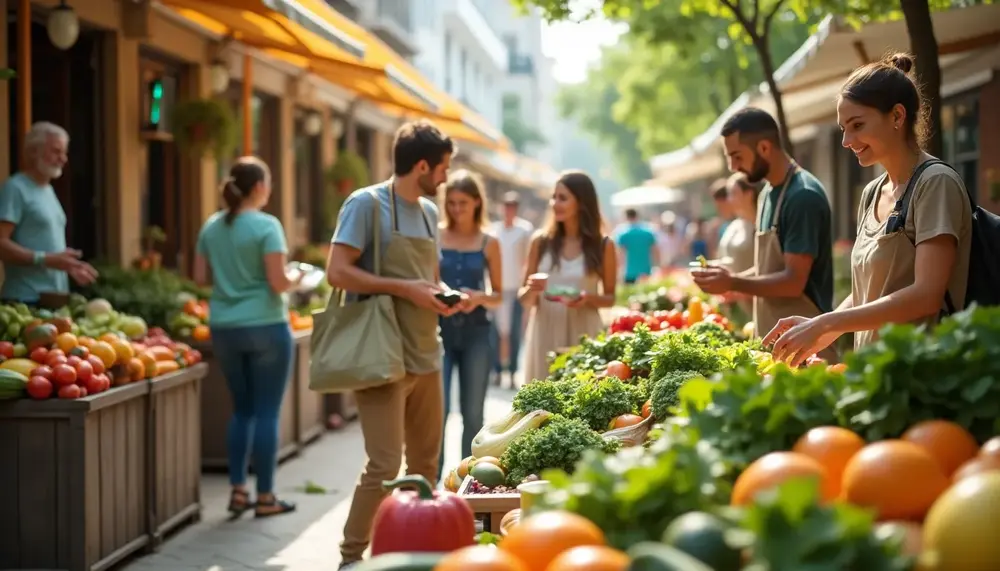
(984, 261)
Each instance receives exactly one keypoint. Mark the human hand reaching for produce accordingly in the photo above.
(83, 273)
(713, 279)
(795, 339)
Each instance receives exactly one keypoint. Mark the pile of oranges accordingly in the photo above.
(548, 541)
(935, 483)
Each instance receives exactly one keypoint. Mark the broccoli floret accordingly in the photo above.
(551, 395)
(558, 444)
(597, 402)
(711, 334)
(665, 391)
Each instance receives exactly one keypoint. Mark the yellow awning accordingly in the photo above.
(455, 118)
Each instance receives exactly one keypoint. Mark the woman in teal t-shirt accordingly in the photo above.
(245, 249)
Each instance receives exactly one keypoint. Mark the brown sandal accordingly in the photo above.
(239, 503)
(282, 506)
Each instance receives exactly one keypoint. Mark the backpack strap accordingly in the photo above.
(897, 218)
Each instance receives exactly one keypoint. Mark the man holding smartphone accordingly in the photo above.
(409, 413)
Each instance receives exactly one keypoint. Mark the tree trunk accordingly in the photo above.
(767, 63)
(924, 46)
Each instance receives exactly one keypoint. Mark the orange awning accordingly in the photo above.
(456, 119)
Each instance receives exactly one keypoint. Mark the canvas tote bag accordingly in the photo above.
(357, 345)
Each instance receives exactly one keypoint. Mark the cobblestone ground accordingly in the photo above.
(306, 540)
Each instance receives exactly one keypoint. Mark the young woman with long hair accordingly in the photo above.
(467, 255)
(571, 251)
(736, 247)
(244, 250)
(910, 261)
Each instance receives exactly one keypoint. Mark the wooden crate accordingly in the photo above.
(74, 480)
(175, 426)
(311, 406)
(489, 507)
(217, 409)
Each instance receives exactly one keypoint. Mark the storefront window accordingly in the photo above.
(960, 135)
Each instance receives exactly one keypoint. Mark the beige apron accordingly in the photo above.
(770, 259)
(414, 259)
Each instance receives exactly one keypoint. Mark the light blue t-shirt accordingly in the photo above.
(638, 242)
(355, 226)
(241, 296)
(40, 226)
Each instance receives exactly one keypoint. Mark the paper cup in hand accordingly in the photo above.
(541, 279)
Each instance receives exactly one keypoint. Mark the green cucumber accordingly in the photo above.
(401, 562)
(651, 556)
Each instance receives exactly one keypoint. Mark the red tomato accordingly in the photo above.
(93, 385)
(43, 371)
(84, 372)
(73, 361)
(195, 356)
(39, 354)
(618, 370)
(39, 388)
(55, 360)
(57, 353)
(6, 349)
(63, 375)
(83, 391)
(70, 392)
(96, 363)
(676, 319)
(104, 381)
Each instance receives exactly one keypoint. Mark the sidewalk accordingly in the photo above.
(306, 540)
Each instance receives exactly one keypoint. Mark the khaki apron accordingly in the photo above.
(769, 259)
(414, 259)
(880, 264)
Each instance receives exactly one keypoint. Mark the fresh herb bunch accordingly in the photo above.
(592, 354)
(551, 395)
(790, 531)
(681, 352)
(711, 334)
(559, 444)
(909, 375)
(666, 391)
(599, 401)
(635, 494)
(639, 350)
(747, 417)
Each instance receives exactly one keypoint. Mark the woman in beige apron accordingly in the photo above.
(408, 413)
(910, 259)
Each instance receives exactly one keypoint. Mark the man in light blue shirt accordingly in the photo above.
(33, 223)
(639, 244)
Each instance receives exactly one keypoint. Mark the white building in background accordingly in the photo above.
(391, 20)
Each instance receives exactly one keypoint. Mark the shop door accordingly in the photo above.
(65, 91)
(309, 207)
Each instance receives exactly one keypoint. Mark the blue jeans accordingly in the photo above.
(513, 338)
(256, 362)
(466, 348)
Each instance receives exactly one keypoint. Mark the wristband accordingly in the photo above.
(39, 258)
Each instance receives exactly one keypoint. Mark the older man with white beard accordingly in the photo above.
(33, 223)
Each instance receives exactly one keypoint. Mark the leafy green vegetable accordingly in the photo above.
(639, 351)
(597, 402)
(553, 396)
(909, 375)
(677, 351)
(559, 444)
(746, 416)
(633, 495)
(666, 391)
(790, 531)
(711, 334)
(592, 354)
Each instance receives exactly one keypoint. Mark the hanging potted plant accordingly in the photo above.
(204, 127)
(349, 173)
(151, 259)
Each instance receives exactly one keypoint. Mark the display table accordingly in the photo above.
(88, 482)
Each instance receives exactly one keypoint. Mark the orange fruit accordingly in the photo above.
(201, 333)
(991, 448)
(123, 350)
(590, 558)
(977, 465)
(87, 342)
(832, 447)
(949, 444)
(776, 468)
(149, 360)
(136, 369)
(67, 342)
(105, 352)
(109, 338)
(896, 478)
(480, 558)
(538, 539)
(624, 421)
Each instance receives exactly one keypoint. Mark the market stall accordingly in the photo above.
(101, 449)
(889, 461)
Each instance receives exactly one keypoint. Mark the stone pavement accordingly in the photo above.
(306, 540)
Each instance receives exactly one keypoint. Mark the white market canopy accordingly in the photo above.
(646, 196)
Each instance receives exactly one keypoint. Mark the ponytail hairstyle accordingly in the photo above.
(244, 176)
(884, 84)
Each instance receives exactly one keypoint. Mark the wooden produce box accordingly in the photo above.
(490, 508)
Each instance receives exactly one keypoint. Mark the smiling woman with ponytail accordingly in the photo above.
(245, 251)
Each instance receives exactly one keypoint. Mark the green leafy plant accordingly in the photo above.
(349, 167)
(559, 444)
(204, 126)
(7, 73)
